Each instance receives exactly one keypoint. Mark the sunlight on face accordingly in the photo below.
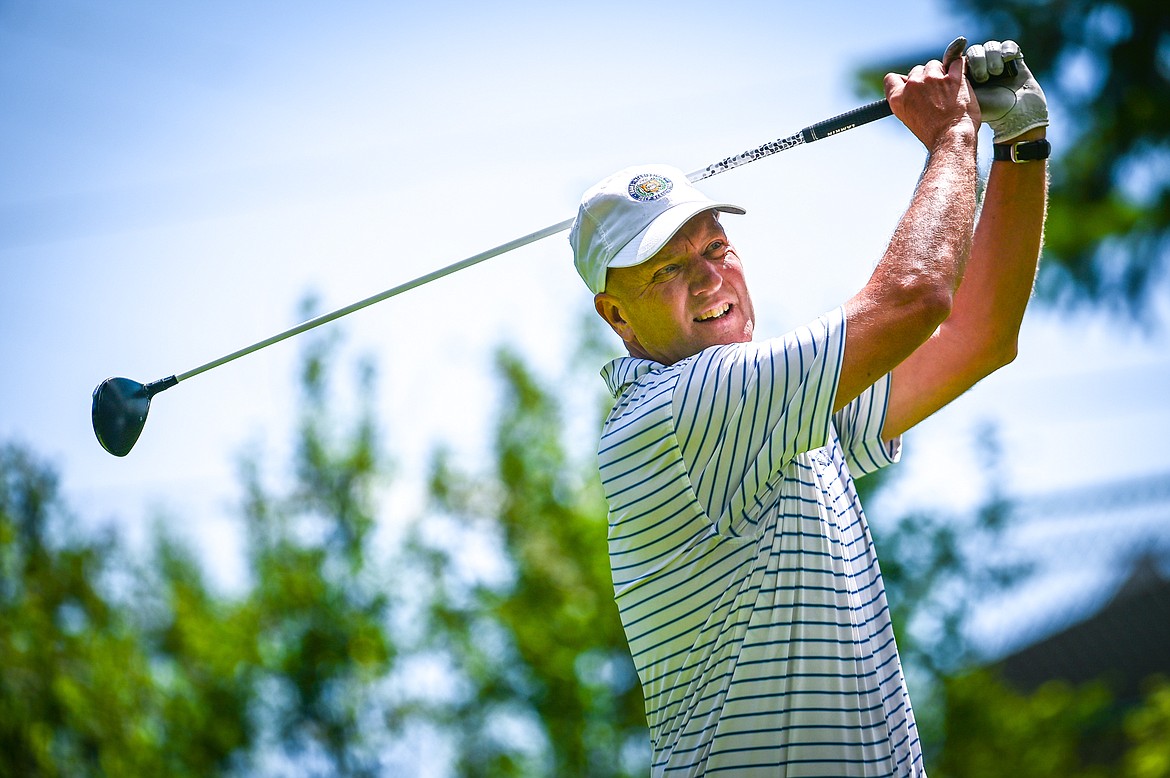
(690, 295)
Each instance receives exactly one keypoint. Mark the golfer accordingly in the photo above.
(743, 567)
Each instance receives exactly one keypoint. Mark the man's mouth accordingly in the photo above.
(715, 313)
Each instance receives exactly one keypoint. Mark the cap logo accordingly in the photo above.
(649, 187)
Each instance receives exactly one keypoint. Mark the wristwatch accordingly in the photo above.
(1023, 151)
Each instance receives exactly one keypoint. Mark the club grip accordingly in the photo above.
(879, 109)
(1010, 71)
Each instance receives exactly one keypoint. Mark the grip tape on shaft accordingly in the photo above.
(878, 109)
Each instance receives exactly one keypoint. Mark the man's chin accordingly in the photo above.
(731, 331)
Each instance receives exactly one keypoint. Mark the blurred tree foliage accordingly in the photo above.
(936, 570)
(78, 694)
(482, 636)
(317, 610)
(1058, 731)
(112, 665)
(1105, 67)
(539, 645)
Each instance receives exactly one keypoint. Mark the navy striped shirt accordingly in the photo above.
(743, 567)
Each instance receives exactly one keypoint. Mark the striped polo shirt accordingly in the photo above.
(743, 567)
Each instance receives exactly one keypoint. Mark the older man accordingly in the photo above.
(743, 566)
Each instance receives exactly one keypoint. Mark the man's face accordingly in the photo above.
(690, 295)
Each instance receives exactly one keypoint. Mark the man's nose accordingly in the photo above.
(706, 276)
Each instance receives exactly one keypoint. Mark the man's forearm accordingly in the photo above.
(1000, 275)
(933, 240)
(912, 289)
(980, 334)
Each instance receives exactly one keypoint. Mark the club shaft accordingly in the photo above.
(822, 129)
(377, 298)
(858, 116)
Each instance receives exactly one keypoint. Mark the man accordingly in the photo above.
(742, 563)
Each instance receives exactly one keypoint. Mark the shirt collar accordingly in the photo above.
(623, 371)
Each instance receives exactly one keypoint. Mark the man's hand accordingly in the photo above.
(1012, 105)
(933, 100)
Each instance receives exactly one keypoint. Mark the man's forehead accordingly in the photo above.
(709, 216)
(698, 226)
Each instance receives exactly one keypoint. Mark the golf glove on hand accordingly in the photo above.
(1011, 105)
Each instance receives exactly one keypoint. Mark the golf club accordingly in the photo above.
(120, 405)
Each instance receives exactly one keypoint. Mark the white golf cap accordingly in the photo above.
(626, 218)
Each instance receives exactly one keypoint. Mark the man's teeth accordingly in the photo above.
(714, 313)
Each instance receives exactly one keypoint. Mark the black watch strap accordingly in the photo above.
(1023, 151)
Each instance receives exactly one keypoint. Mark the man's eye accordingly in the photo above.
(716, 246)
(664, 272)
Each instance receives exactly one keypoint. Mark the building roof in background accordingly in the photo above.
(1124, 643)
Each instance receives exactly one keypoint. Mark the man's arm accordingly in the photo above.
(911, 292)
(981, 333)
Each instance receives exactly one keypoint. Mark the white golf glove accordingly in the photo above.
(1011, 105)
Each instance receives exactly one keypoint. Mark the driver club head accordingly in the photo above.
(119, 412)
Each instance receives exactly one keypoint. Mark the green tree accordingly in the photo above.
(539, 644)
(1148, 731)
(318, 611)
(1056, 731)
(936, 570)
(992, 728)
(88, 686)
(75, 690)
(133, 665)
(1105, 67)
(507, 654)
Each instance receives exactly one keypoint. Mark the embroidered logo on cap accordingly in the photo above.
(649, 187)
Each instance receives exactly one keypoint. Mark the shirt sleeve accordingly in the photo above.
(859, 427)
(744, 411)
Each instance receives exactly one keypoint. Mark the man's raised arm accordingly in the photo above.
(911, 291)
(981, 333)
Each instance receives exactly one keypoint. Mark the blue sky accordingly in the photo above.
(175, 178)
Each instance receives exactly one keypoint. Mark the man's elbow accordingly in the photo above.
(1004, 351)
(992, 353)
(931, 305)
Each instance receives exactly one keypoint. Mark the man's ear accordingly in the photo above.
(609, 308)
